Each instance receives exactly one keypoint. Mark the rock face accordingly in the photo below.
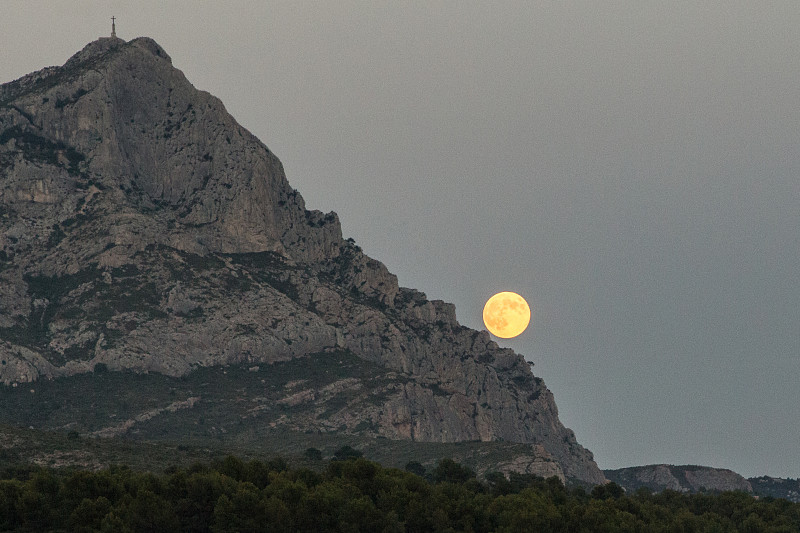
(142, 228)
(678, 478)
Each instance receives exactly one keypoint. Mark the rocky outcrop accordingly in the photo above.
(538, 463)
(125, 426)
(143, 229)
(687, 479)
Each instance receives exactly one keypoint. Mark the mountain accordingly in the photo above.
(692, 479)
(147, 241)
(687, 479)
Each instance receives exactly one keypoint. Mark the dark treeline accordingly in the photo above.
(355, 495)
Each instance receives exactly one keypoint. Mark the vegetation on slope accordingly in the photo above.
(358, 495)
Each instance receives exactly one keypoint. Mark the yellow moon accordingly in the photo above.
(506, 314)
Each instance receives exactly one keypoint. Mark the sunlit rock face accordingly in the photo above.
(142, 228)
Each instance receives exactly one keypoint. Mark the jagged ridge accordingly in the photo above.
(142, 228)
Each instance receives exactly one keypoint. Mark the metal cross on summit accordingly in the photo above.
(113, 28)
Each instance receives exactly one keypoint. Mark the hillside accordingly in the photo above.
(687, 479)
(144, 231)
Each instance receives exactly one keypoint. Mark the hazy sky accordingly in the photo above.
(631, 167)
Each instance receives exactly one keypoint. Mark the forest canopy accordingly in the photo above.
(353, 494)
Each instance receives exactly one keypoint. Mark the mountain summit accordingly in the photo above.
(144, 231)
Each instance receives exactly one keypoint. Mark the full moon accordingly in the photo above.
(506, 314)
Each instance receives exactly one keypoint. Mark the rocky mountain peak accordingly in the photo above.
(143, 229)
(144, 130)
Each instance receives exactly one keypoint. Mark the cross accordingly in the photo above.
(113, 27)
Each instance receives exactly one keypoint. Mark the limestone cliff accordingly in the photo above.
(687, 479)
(142, 228)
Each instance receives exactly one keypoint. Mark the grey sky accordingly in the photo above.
(632, 168)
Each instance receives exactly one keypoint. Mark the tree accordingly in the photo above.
(449, 471)
(608, 491)
(112, 523)
(415, 468)
(346, 452)
(9, 494)
(150, 512)
(313, 454)
(232, 467)
(89, 514)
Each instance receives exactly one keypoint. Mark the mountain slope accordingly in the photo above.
(687, 479)
(692, 479)
(143, 229)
